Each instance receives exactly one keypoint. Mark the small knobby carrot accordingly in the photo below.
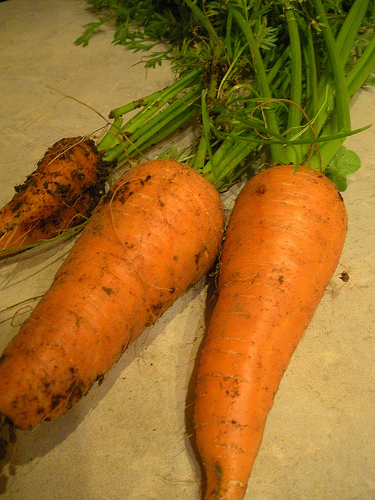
(27, 234)
(70, 176)
(156, 232)
(282, 245)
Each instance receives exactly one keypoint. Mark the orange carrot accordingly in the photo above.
(282, 245)
(26, 234)
(70, 173)
(154, 234)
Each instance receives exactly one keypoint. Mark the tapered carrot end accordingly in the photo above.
(227, 466)
(221, 487)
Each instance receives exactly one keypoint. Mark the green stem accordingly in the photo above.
(358, 75)
(201, 17)
(349, 29)
(167, 114)
(164, 112)
(157, 135)
(204, 143)
(311, 75)
(138, 103)
(226, 159)
(200, 155)
(294, 113)
(361, 70)
(278, 65)
(292, 97)
(166, 97)
(346, 37)
(167, 121)
(230, 162)
(278, 154)
(161, 96)
(111, 137)
(155, 101)
(337, 68)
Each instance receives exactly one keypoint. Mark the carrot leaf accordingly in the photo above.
(90, 29)
(344, 163)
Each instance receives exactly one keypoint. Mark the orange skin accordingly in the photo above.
(153, 235)
(28, 234)
(282, 245)
(71, 170)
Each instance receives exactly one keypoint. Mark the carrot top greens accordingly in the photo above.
(262, 80)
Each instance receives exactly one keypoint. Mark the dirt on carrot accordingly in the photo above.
(282, 245)
(156, 232)
(71, 175)
(28, 234)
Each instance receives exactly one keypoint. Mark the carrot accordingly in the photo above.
(155, 233)
(26, 234)
(70, 170)
(283, 242)
(75, 168)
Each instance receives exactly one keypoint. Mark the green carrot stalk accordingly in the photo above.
(326, 122)
(158, 99)
(260, 70)
(340, 117)
(294, 116)
(155, 135)
(291, 112)
(162, 113)
(359, 74)
(337, 66)
(225, 164)
(167, 121)
(277, 66)
(352, 23)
